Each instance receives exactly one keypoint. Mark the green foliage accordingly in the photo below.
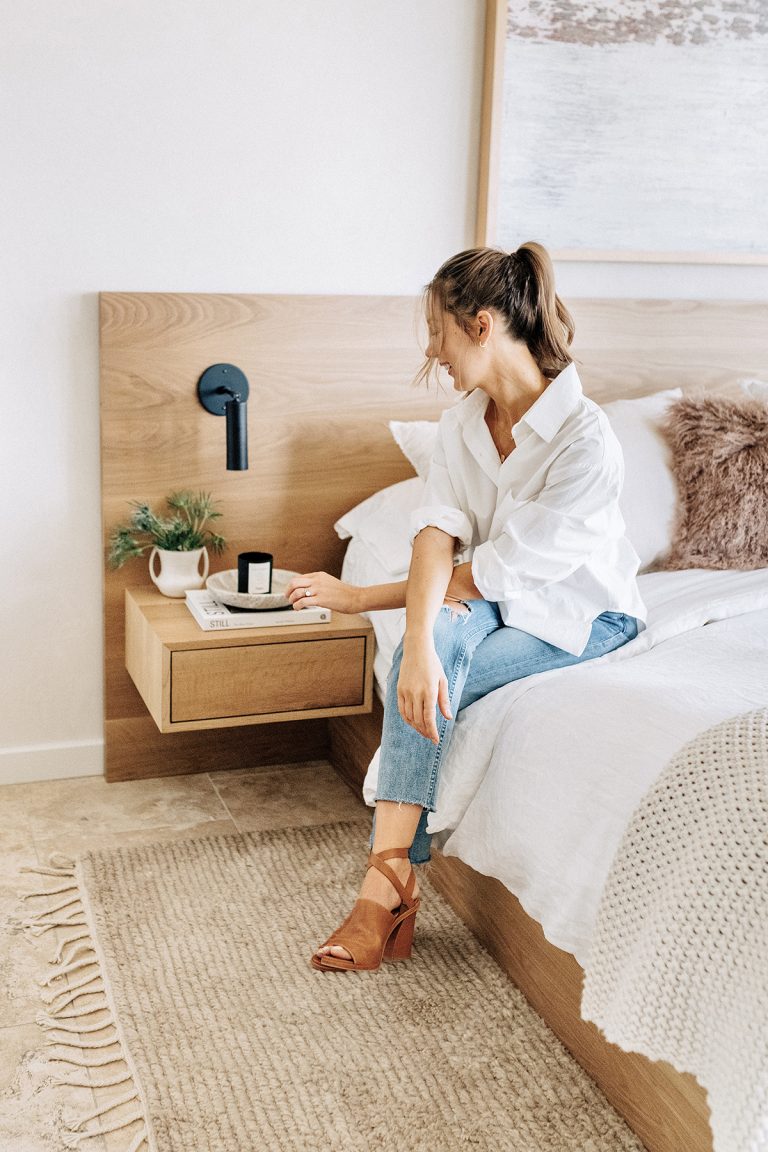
(183, 531)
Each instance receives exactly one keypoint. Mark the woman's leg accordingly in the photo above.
(492, 658)
(409, 762)
(510, 654)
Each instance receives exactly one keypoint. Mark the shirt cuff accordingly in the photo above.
(450, 520)
(491, 575)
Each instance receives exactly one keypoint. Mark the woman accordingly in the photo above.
(519, 562)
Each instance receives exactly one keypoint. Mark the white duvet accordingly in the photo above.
(542, 776)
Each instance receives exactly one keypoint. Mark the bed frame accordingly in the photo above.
(326, 373)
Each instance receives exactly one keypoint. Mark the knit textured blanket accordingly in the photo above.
(678, 967)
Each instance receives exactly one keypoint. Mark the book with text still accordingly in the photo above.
(212, 615)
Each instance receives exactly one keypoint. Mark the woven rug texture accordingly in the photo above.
(231, 1042)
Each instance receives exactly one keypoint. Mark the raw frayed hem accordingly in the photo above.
(64, 1016)
(396, 800)
(399, 802)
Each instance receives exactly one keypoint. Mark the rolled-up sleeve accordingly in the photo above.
(440, 507)
(543, 540)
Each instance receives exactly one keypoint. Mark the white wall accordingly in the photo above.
(246, 146)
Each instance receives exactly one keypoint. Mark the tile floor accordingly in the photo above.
(85, 812)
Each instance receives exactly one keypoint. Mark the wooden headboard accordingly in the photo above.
(326, 373)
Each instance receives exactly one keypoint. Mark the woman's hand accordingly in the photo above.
(421, 686)
(326, 591)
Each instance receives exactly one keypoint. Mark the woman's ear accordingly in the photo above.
(483, 326)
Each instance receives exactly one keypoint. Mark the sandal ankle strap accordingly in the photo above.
(388, 853)
(376, 860)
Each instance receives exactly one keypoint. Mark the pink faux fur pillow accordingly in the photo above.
(720, 463)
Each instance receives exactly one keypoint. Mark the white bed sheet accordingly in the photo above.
(361, 567)
(542, 805)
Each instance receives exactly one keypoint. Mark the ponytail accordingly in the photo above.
(548, 323)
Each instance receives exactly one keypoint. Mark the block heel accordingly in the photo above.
(400, 941)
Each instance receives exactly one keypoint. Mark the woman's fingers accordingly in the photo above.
(429, 725)
(324, 589)
(296, 589)
(419, 712)
(443, 699)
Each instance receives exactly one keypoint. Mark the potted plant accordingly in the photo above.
(180, 541)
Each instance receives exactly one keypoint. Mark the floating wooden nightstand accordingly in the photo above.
(189, 678)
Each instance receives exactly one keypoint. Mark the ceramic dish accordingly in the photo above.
(224, 587)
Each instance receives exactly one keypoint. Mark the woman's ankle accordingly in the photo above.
(381, 887)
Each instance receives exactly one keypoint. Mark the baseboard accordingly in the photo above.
(23, 765)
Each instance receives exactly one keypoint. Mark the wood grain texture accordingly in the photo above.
(189, 678)
(307, 676)
(490, 121)
(139, 751)
(326, 374)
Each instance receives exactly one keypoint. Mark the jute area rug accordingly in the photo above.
(216, 1035)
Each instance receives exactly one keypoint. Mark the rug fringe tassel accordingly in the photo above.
(50, 997)
(71, 967)
(76, 1015)
(69, 940)
(76, 953)
(47, 1021)
(82, 1081)
(86, 1043)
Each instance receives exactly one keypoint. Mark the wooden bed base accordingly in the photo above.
(667, 1109)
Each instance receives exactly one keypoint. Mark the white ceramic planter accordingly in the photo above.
(178, 571)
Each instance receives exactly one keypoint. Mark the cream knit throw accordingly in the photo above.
(678, 968)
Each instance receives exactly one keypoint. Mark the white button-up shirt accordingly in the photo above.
(543, 529)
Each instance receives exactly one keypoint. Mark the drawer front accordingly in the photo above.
(260, 679)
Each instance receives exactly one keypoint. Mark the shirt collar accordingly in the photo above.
(546, 415)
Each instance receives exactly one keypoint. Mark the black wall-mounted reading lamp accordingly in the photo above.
(223, 390)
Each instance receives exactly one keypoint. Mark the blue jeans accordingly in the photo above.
(479, 653)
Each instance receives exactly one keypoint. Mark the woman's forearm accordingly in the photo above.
(379, 597)
(375, 597)
(428, 578)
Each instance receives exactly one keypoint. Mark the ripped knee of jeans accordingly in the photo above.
(457, 608)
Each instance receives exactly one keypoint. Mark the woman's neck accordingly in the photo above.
(509, 404)
(515, 383)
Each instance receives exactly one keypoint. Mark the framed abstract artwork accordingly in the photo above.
(626, 129)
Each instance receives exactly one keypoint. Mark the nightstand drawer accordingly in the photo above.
(216, 683)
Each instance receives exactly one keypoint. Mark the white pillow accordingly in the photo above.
(416, 441)
(756, 389)
(649, 496)
(382, 522)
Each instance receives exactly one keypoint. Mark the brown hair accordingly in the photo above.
(520, 286)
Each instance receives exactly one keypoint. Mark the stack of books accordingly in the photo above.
(211, 614)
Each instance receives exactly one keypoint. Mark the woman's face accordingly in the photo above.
(455, 351)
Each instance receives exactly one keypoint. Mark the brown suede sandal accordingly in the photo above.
(372, 933)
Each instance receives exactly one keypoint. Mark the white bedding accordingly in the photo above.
(542, 775)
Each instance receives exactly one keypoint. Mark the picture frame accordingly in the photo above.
(599, 157)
